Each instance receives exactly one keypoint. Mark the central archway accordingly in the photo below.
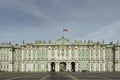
(62, 66)
(53, 66)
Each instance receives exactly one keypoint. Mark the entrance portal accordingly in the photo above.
(63, 66)
(53, 67)
(73, 66)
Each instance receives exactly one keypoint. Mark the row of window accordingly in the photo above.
(4, 57)
(4, 50)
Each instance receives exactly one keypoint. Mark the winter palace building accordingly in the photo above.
(62, 55)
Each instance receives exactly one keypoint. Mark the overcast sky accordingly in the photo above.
(31, 20)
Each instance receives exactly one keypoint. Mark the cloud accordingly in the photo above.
(108, 33)
(30, 19)
(29, 9)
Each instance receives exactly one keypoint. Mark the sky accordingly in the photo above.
(31, 20)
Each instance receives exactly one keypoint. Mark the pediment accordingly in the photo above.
(62, 40)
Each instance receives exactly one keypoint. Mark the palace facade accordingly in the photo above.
(62, 55)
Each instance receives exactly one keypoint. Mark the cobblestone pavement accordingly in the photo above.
(59, 76)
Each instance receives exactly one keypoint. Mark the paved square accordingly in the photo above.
(59, 76)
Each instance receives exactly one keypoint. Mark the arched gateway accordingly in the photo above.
(73, 66)
(62, 67)
(53, 66)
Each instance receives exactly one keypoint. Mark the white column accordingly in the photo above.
(103, 54)
(49, 67)
(55, 54)
(117, 55)
(104, 66)
(98, 54)
(118, 67)
(95, 66)
(32, 56)
(60, 54)
(27, 67)
(49, 54)
(99, 66)
(57, 67)
(94, 54)
(64, 54)
(10, 56)
(22, 54)
(0, 66)
(31, 53)
(22, 67)
(76, 67)
(90, 66)
(115, 67)
(35, 55)
(36, 67)
(10, 67)
(69, 54)
(76, 55)
(69, 66)
(31, 66)
(27, 55)
(90, 53)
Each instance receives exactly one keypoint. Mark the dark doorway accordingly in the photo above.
(52, 67)
(62, 66)
(73, 66)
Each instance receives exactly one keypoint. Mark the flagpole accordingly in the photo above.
(63, 34)
(64, 31)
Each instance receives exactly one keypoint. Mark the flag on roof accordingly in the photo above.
(65, 30)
